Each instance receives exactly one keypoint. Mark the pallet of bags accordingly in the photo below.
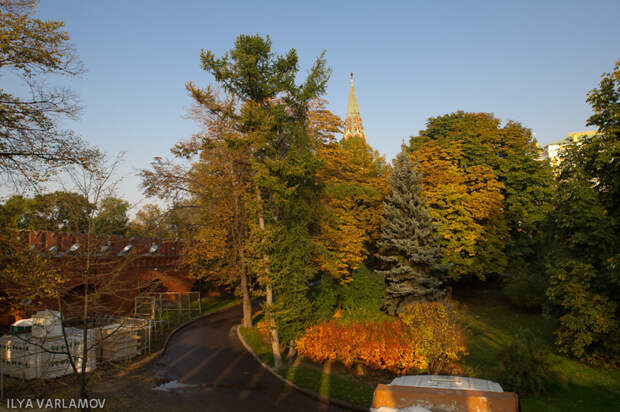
(47, 324)
(20, 357)
(57, 362)
(117, 342)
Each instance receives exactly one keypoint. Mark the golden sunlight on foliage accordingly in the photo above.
(355, 183)
(26, 278)
(466, 204)
(426, 338)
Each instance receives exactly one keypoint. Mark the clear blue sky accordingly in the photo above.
(529, 61)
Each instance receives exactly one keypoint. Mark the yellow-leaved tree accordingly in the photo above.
(466, 203)
(355, 183)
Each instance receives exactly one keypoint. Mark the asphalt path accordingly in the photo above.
(217, 373)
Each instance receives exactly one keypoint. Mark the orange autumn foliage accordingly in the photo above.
(381, 345)
(425, 338)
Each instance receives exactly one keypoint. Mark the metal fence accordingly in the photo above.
(116, 337)
(167, 308)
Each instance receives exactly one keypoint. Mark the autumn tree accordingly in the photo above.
(354, 177)
(507, 188)
(220, 182)
(214, 186)
(27, 279)
(408, 245)
(152, 221)
(32, 143)
(463, 204)
(274, 118)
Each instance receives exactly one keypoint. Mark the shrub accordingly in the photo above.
(426, 338)
(359, 299)
(434, 326)
(525, 365)
(383, 345)
(363, 296)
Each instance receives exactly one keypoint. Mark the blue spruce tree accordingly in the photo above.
(408, 245)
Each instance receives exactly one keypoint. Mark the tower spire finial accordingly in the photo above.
(353, 123)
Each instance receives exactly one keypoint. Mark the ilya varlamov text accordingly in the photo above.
(94, 403)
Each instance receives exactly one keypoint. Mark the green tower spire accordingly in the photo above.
(353, 123)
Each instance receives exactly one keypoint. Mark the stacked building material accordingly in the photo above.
(58, 363)
(44, 353)
(47, 324)
(19, 357)
(117, 342)
(122, 340)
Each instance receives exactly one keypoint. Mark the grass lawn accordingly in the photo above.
(210, 304)
(493, 322)
(320, 381)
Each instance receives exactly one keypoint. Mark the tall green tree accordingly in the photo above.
(584, 262)
(58, 211)
(408, 245)
(600, 153)
(112, 217)
(273, 119)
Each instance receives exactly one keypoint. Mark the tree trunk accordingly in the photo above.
(82, 375)
(275, 340)
(243, 268)
(245, 290)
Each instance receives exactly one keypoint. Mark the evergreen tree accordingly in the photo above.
(408, 244)
(284, 204)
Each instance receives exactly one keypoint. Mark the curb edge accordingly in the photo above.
(189, 321)
(312, 394)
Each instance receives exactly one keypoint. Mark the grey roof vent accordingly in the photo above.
(105, 247)
(125, 250)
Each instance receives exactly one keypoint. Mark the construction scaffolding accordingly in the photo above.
(167, 308)
(36, 347)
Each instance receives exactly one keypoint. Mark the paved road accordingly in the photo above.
(222, 375)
